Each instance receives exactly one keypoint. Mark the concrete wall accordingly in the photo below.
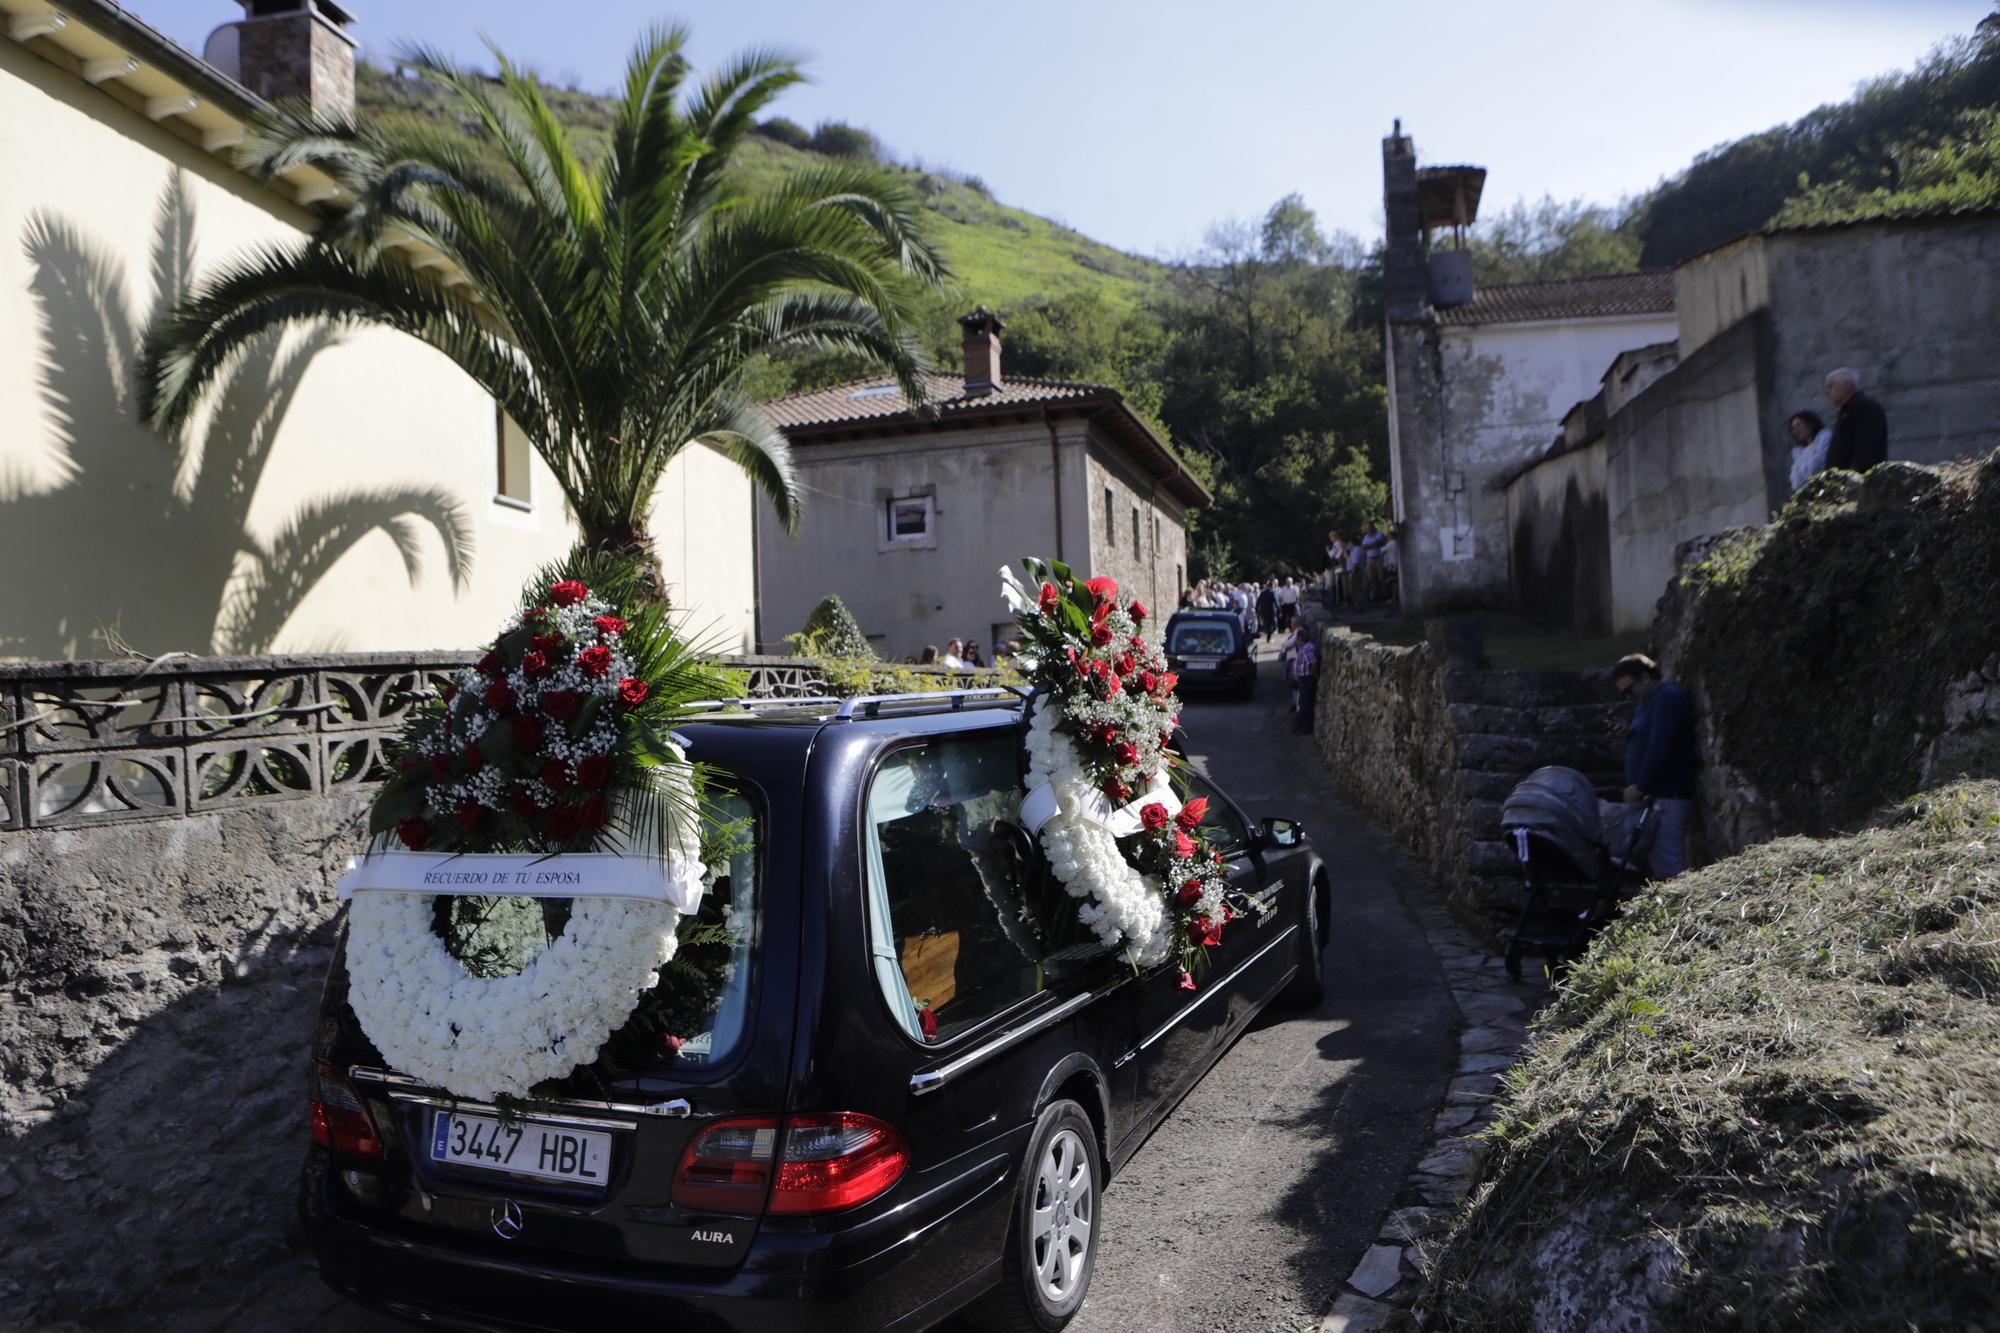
(1156, 570)
(339, 497)
(1559, 541)
(158, 983)
(1499, 397)
(1683, 459)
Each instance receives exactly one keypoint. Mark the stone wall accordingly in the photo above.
(158, 982)
(1432, 750)
(1558, 565)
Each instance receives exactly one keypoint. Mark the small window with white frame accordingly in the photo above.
(512, 484)
(909, 519)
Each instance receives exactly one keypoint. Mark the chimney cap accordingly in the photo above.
(981, 320)
(335, 12)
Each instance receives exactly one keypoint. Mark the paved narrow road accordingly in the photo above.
(1251, 1204)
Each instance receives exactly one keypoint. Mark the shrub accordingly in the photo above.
(836, 138)
(787, 132)
(832, 631)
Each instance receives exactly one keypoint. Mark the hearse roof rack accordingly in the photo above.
(752, 705)
(928, 701)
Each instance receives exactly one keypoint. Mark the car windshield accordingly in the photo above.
(1201, 636)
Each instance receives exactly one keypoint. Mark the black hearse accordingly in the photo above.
(1210, 651)
(913, 1076)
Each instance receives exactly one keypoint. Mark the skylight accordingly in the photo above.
(874, 391)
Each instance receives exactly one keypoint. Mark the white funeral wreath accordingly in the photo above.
(482, 1037)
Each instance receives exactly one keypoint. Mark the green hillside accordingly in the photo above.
(1000, 256)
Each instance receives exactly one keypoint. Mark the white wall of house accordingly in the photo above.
(339, 475)
(1505, 389)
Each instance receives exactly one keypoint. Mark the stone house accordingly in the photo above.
(1692, 437)
(1479, 378)
(350, 493)
(911, 514)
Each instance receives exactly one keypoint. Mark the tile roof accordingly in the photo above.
(869, 400)
(1648, 293)
(857, 406)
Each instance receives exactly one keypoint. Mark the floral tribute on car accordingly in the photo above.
(547, 771)
(1099, 791)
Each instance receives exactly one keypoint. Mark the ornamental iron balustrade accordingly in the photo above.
(89, 743)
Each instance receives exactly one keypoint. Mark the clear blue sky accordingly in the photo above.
(1140, 122)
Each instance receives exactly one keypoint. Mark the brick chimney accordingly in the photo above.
(290, 50)
(982, 352)
(1405, 271)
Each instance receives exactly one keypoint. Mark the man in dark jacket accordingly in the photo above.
(1861, 431)
(1659, 759)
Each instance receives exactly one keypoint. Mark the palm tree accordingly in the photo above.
(610, 309)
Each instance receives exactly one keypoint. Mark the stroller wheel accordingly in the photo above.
(1514, 961)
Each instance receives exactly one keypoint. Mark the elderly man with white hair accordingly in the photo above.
(1861, 431)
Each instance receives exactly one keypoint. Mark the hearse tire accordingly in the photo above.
(1057, 1203)
(1308, 984)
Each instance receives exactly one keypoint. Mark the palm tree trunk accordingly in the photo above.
(632, 546)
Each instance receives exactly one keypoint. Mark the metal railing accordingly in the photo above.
(92, 743)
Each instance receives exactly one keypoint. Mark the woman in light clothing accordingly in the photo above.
(1810, 438)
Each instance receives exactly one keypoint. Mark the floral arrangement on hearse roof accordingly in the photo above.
(1099, 781)
(558, 743)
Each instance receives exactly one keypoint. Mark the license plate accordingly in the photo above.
(521, 1148)
(1198, 666)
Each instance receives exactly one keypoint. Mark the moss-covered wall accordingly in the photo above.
(1847, 653)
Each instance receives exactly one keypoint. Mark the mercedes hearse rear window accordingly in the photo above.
(1201, 638)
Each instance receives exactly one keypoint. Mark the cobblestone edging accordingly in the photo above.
(1496, 1013)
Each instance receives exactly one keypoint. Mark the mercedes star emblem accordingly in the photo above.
(507, 1220)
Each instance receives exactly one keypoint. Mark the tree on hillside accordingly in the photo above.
(1548, 240)
(611, 310)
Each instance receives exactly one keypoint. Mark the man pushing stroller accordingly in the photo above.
(1659, 759)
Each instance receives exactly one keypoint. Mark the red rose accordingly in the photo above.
(474, 761)
(1190, 893)
(594, 661)
(468, 814)
(927, 1018)
(1183, 845)
(1100, 613)
(450, 692)
(1113, 687)
(1049, 598)
(1101, 635)
(561, 821)
(555, 775)
(609, 625)
(493, 664)
(523, 802)
(1116, 790)
(406, 765)
(1191, 813)
(568, 593)
(1205, 931)
(632, 691)
(1167, 683)
(1129, 754)
(1148, 681)
(499, 696)
(1138, 642)
(593, 771)
(534, 662)
(1107, 733)
(414, 833)
(595, 812)
(1137, 610)
(1153, 815)
(561, 704)
(527, 732)
(1126, 665)
(1187, 979)
(548, 644)
(1103, 589)
(671, 1044)
(439, 766)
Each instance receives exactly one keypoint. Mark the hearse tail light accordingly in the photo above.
(727, 1167)
(836, 1161)
(339, 1121)
(822, 1163)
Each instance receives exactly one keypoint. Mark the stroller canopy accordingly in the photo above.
(1560, 805)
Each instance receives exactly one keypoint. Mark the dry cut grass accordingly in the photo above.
(1769, 1098)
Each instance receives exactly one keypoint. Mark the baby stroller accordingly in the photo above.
(1573, 880)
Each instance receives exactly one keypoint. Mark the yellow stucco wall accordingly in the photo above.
(312, 511)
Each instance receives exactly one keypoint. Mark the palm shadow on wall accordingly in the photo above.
(147, 541)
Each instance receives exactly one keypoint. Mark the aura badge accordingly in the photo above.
(507, 1220)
